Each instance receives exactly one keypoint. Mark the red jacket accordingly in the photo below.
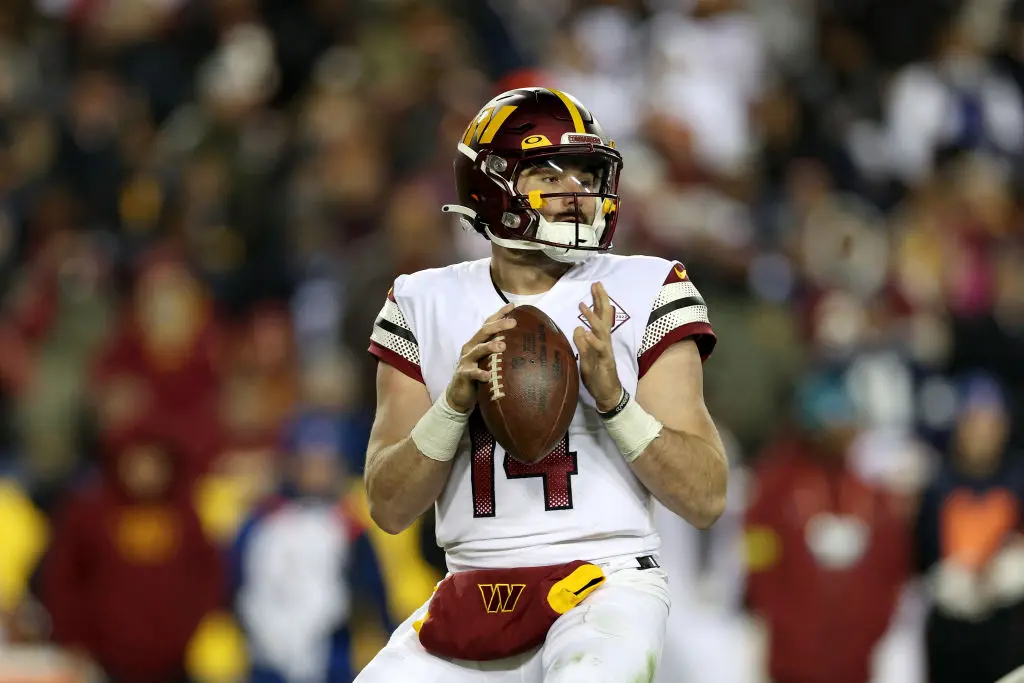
(129, 581)
(825, 612)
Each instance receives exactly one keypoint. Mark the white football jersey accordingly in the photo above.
(582, 501)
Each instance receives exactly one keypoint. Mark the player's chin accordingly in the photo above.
(530, 257)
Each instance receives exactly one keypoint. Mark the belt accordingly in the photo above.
(639, 563)
(647, 562)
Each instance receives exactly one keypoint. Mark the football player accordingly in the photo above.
(554, 572)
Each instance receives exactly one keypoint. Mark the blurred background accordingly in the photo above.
(204, 202)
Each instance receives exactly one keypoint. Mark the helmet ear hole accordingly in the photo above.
(496, 164)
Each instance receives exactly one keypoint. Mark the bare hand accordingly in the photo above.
(597, 359)
(462, 389)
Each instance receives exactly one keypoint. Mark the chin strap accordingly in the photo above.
(566, 254)
(522, 245)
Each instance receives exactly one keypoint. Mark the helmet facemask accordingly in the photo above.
(563, 204)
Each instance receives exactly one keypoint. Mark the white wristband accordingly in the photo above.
(632, 428)
(439, 431)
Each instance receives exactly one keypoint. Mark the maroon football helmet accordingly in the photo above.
(534, 170)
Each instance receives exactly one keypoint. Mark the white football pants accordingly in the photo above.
(614, 636)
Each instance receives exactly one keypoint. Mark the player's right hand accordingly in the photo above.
(462, 389)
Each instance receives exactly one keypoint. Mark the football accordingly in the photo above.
(533, 389)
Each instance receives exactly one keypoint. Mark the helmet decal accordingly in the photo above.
(581, 139)
(535, 141)
(475, 125)
(484, 127)
(492, 128)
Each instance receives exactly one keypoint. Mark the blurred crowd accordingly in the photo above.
(204, 202)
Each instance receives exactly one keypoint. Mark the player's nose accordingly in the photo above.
(562, 205)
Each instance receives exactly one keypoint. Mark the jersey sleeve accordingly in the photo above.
(678, 313)
(392, 340)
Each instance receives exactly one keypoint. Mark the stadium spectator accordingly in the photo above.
(302, 563)
(130, 574)
(970, 545)
(827, 553)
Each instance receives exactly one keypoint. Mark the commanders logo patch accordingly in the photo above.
(580, 139)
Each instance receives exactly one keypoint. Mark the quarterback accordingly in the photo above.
(553, 566)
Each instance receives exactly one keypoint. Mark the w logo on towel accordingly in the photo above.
(501, 597)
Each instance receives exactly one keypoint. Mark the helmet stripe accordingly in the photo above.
(574, 112)
(492, 128)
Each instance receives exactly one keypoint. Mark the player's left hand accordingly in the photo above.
(597, 359)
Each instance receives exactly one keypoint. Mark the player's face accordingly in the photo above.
(146, 471)
(317, 472)
(556, 175)
(981, 438)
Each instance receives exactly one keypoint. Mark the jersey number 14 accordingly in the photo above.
(556, 471)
